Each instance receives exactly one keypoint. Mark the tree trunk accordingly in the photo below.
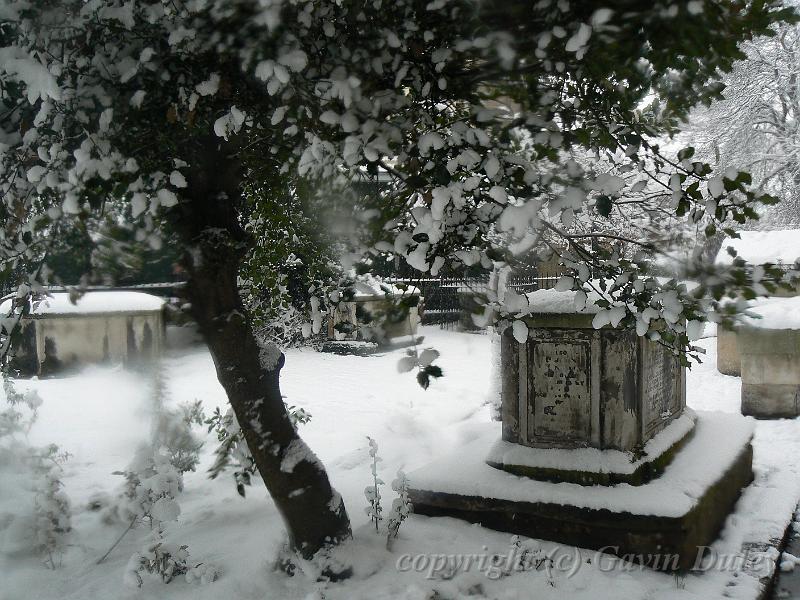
(208, 221)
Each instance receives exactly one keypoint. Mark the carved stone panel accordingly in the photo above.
(560, 394)
(660, 387)
(509, 367)
(619, 390)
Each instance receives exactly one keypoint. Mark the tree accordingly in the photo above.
(756, 123)
(300, 256)
(177, 108)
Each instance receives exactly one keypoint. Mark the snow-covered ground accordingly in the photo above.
(102, 414)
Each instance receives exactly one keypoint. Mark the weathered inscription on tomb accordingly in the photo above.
(659, 386)
(560, 403)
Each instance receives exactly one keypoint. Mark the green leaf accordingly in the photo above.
(424, 380)
(687, 152)
(603, 205)
(434, 371)
(416, 182)
(683, 206)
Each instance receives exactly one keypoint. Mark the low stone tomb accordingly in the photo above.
(728, 360)
(769, 345)
(351, 318)
(101, 326)
(601, 408)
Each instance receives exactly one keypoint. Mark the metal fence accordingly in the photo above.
(447, 300)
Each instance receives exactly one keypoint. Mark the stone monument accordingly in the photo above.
(603, 408)
(728, 360)
(572, 386)
(100, 326)
(769, 348)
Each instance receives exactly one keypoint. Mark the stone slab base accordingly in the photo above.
(361, 348)
(771, 400)
(346, 347)
(663, 524)
(590, 466)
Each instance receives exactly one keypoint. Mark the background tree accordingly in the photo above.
(179, 108)
(756, 123)
(118, 258)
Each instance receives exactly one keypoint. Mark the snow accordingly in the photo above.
(554, 301)
(368, 286)
(210, 86)
(775, 313)
(102, 414)
(591, 459)
(759, 247)
(718, 438)
(297, 452)
(39, 82)
(58, 303)
(559, 301)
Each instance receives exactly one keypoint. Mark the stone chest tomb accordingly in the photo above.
(604, 409)
(100, 326)
(769, 350)
(571, 387)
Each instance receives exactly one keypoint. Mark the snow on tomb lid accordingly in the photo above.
(774, 313)
(553, 301)
(59, 303)
(759, 247)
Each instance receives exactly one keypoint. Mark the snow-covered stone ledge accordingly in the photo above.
(591, 466)
(675, 514)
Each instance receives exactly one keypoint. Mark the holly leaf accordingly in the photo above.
(423, 379)
(603, 205)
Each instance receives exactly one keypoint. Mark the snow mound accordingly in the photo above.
(759, 247)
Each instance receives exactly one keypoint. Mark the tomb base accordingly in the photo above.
(664, 523)
(590, 466)
(770, 372)
(771, 400)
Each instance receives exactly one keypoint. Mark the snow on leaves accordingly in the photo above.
(487, 145)
(39, 82)
(230, 123)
